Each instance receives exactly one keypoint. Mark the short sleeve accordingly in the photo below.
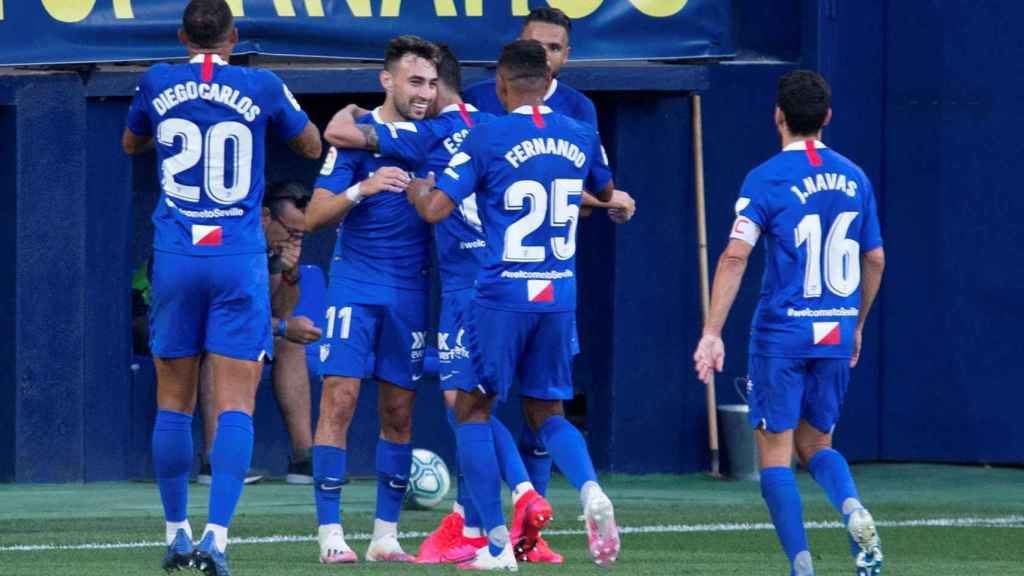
(466, 168)
(587, 112)
(871, 231)
(138, 117)
(286, 116)
(338, 170)
(406, 141)
(600, 174)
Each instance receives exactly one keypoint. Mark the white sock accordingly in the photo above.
(458, 509)
(472, 531)
(802, 564)
(324, 529)
(498, 537)
(382, 529)
(849, 505)
(220, 536)
(173, 527)
(521, 489)
(587, 490)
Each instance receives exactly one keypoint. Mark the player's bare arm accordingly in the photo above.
(307, 144)
(329, 209)
(343, 132)
(135, 144)
(432, 204)
(710, 354)
(872, 264)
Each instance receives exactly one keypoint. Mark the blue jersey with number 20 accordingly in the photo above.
(209, 120)
(528, 170)
(816, 210)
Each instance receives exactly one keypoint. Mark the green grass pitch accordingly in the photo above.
(935, 520)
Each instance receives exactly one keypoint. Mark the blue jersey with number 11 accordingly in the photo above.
(209, 120)
(528, 170)
(817, 213)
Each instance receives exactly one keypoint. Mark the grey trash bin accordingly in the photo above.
(739, 452)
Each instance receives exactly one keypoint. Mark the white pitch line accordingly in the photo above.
(969, 522)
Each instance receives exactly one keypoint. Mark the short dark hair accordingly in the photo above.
(280, 192)
(550, 16)
(449, 71)
(804, 98)
(525, 61)
(207, 23)
(399, 46)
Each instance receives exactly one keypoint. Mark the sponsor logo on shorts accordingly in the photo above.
(325, 352)
(207, 235)
(447, 352)
(419, 346)
(826, 333)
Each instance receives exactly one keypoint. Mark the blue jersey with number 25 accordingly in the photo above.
(528, 170)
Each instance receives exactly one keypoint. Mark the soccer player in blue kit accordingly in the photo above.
(376, 305)
(816, 211)
(429, 145)
(527, 171)
(210, 290)
(551, 27)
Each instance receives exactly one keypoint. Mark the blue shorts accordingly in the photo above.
(785, 390)
(376, 331)
(534, 348)
(218, 304)
(456, 371)
(575, 344)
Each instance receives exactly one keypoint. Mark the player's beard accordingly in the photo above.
(409, 111)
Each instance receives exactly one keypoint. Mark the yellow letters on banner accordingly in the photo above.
(1, 9)
(123, 9)
(69, 10)
(360, 8)
(447, 8)
(659, 8)
(520, 7)
(237, 9)
(315, 8)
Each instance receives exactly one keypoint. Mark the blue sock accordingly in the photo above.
(569, 449)
(229, 461)
(513, 471)
(778, 487)
(328, 475)
(172, 461)
(832, 473)
(461, 496)
(393, 464)
(479, 464)
(536, 459)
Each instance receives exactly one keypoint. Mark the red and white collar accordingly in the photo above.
(455, 108)
(529, 110)
(198, 59)
(802, 145)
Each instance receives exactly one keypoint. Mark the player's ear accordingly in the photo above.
(828, 118)
(182, 37)
(233, 37)
(780, 119)
(387, 81)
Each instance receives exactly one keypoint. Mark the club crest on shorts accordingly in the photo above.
(325, 352)
(826, 333)
(540, 290)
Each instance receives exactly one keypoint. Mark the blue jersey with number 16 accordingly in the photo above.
(209, 120)
(528, 170)
(816, 210)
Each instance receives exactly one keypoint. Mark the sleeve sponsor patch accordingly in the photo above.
(329, 161)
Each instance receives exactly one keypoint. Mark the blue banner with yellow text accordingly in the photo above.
(82, 31)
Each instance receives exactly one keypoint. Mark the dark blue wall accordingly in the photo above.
(926, 98)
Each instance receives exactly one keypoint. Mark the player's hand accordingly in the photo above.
(856, 348)
(621, 207)
(709, 357)
(419, 187)
(289, 251)
(386, 179)
(301, 330)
